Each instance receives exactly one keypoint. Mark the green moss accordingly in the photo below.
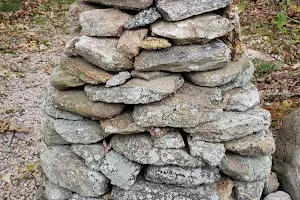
(10, 5)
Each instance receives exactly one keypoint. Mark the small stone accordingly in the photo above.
(77, 102)
(103, 22)
(154, 43)
(62, 80)
(171, 140)
(148, 75)
(136, 91)
(212, 153)
(198, 29)
(143, 18)
(213, 55)
(271, 184)
(121, 171)
(248, 190)
(127, 5)
(184, 177)
(69, 49)
(246, 168)
(121, 124)
(54, 192)
(279, 195)
(103, 53)
(118, 79)
(79, 197)
(130, 40)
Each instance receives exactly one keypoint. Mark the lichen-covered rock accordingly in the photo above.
(121, 171)
(174, 10)
(213, 55)
(280, 195)
(271, 184)
(65, 169)
(154, 43)
(232, 125)
(61, 79)
(103, 22)
(127, 5)
(199, 29)
(148, 75)
(185, 177)
(77, 102)
(246, 168)
(49, 136)
(188, 107)
(248, 190)
(143, 18)
(103, 53)
(140, 148)
(136, 91)
(171, 140)
(118, 79)
(54, 192)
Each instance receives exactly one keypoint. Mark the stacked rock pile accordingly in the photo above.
(150, 104)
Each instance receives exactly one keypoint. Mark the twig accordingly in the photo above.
(10, 140)
(286, 94)
(293, 20)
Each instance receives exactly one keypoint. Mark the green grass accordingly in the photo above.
(10, 5)
(264, 67)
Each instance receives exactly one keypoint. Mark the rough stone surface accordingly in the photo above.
(198, 29)
(140, 148)
(287, 155)
(171, 140)
(79, 197)
(188, 107)
(148, 75)
(103, 53)
(144, 190)
(257, 144)
(143, 18)
(175, 10)
(271, 184)
(232, 125)
(69, 48)
(103, 22)
(154, 43)
(85, 71)
(185, 177)
(61, 79)
(187, 58)
(118, 79)
(77, 102)
(130, 40)
(54, 192)
(65, 169)
(136, 91)
(212, 153)
(159, 131)
(248, 190)
(246, 168)
(280, 195)
(49, 136)
(121, 171)
(127, 5)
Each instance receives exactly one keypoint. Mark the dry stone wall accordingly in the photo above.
(150, 104)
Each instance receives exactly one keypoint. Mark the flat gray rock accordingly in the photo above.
(188, 107)
(171, 140)
(65, 169)
(198, 29)
(232, 125)
(248, 190)
(121, 171)
(174, 10)
(136, 91)
(49, 136)
(54, 192)
(143, 18)
(148, 75)
(140, 148)
(103, 53)
(279, 195)
(185, 177)
(127, 5)
(118, 79)
(213, 55)
(62, 80)
(246, 168)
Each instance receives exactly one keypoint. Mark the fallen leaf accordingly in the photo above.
(6, 177)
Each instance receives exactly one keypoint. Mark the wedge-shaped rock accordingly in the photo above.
(54, 192)
(140, 148)
(121, 124)
(148, 75)
(136, 91)
(77, 102)
(103, 53)
(118, 79)
(199, 29)
(213, 55)
(61, 80)
(143, 190)
(175, 10)
(121, 171)
(246, 168)
(249, 190)
(143, 18)
(64, 168)
(127, 4)
(185, 177)
(232, 125)
(103, 22)
(261, 143)
(48, 134)
(154, 43)
(188, 107)
(171, 140)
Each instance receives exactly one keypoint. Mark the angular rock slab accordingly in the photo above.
(127, 5)
(143, 190)
(213, 55)
(136, 91)
(118, 79)
(54, 192)
(154, 43)
(185, 177)
(49, 136)
(188, 107)
(77, 102)
(62, 80)
(232, 125)
(199, 29)
(171, 140)
(103, 53)
(175, 10)
(103, 22)
(248, 190)
(140, 148)
(246, 168)
(65, 169)
(143, 18)
(121, 171)
(148, 75)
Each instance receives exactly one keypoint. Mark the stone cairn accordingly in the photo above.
(154, 101)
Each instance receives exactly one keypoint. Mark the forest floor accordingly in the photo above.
(31, 42)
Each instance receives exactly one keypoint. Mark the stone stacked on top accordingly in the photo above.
(150, 104)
